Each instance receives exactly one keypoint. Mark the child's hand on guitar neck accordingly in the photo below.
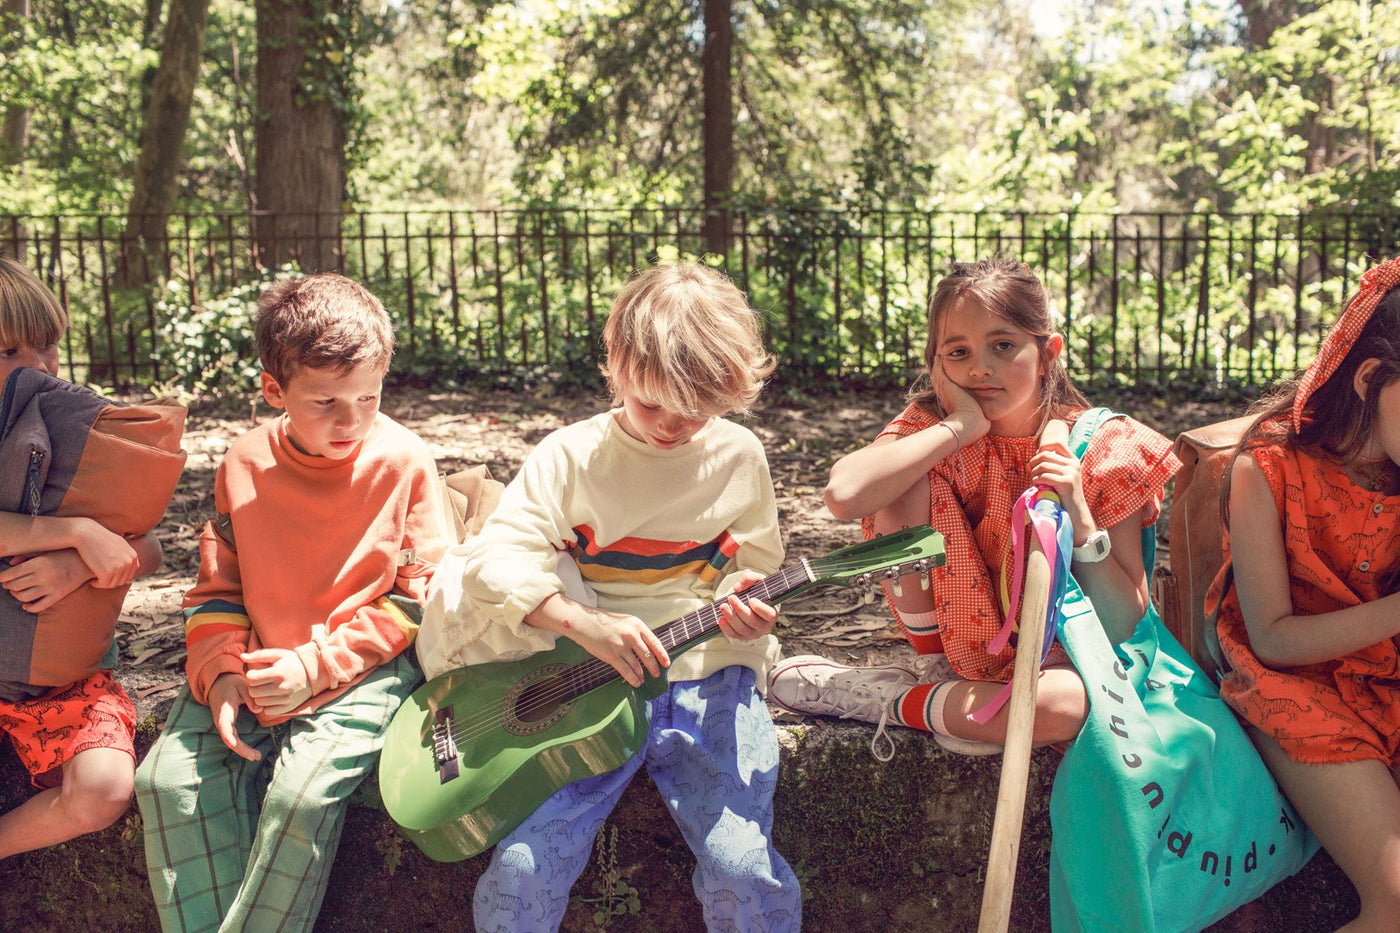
(621, 641)
(745, 619)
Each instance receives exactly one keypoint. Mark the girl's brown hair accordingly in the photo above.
(1335, 419)
(1011, 291)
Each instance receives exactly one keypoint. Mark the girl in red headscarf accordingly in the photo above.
(1311, 620)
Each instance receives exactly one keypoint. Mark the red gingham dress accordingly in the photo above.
(1125, 469)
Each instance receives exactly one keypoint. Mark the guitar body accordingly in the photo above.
(516, 744)
(471, 754)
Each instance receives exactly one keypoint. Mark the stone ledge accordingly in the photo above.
(880, 847)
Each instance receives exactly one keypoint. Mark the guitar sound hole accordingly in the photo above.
(539, 702)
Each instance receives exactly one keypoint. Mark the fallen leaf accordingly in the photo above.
(157, 688)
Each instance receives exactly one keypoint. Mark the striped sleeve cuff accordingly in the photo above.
(216, 617)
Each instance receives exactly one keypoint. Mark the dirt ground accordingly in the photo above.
(803, 437)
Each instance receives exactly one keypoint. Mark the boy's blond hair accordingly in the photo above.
(685, 337)
(30, 314)
(321, 321)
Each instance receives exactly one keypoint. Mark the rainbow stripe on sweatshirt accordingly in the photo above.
(648, 561)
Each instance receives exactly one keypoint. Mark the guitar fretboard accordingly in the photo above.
(682, 633)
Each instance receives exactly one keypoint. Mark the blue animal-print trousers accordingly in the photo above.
(712, 752)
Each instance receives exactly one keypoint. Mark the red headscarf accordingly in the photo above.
(1374, 286)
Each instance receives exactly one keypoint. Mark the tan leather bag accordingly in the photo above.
(1194, 532)
(469, 497)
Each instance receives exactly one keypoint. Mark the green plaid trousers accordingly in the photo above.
(233, 844)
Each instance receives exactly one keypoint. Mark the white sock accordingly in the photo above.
(920, 623)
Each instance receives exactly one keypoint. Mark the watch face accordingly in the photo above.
(1095, 547)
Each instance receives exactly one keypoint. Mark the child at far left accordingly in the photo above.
(69, 720)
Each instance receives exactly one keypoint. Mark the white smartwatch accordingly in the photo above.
(1094, 549)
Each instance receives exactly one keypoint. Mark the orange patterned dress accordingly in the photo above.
(971, 492)
(1343, 547)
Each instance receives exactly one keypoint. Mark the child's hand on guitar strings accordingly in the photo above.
(625, 643)
(745, 620)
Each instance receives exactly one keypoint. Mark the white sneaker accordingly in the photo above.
(818, 686)
(934, 669)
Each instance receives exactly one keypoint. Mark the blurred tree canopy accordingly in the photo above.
(1274, 106)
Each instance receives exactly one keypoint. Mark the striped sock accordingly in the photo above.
(921, 707)
(923, 628)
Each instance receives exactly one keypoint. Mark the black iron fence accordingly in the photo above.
(1142, 297)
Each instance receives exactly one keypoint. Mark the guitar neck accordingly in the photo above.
(693, 627)
(912, 550)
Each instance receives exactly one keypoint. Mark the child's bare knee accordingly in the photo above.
(1062, 706)
(96, 808)
(96, 794)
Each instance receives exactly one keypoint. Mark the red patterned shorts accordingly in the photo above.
(48, 731)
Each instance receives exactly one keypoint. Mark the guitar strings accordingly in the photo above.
(587, 675)
(591, 673)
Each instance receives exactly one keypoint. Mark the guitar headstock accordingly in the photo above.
(913, 550)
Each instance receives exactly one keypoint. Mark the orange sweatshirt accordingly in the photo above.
(305, 553)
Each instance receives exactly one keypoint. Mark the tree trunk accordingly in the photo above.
(15, 138)
(163, 139)
(1263, 17)
(12, 145)
(719, 123)
(300, 138)
(150, 29)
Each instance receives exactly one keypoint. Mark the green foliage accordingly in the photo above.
(390, 846)
(956, 104)
(205, 346)
(847, 113)
(80, 70)
(615, 897)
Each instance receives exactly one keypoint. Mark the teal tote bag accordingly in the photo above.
(1163, 816)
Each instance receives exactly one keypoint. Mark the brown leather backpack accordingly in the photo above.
(1194, 533)
(469, 497)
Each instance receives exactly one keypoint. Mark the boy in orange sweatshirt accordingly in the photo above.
(329, 523)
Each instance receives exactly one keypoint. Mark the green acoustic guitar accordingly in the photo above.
(474, 752)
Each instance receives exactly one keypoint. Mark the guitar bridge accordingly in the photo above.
(444, 745)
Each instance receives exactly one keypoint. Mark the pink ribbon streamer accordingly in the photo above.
(1045, 529)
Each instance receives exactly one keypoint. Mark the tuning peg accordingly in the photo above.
(923, 581)
(895, 587)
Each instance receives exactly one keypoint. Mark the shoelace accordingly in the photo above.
(865, 696)
(882, 698)
(881, 733)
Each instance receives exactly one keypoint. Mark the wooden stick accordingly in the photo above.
(1016, 759)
